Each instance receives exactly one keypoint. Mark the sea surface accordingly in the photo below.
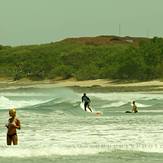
(56, 129)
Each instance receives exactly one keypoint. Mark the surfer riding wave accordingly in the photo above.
(86, 101)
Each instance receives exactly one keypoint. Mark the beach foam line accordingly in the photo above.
(22, 152)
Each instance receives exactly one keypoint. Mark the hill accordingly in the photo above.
(84, 58)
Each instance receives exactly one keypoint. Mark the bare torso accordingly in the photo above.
(13, 124)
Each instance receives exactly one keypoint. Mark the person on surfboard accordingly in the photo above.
(86, 101)
(134, 107)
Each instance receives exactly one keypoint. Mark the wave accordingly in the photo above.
(121, 103)
(63, 96)
(46, 151)
(114, 104)
(6, 103)
(126, 96)
(23, 94)
(74, 150)
(142, 105)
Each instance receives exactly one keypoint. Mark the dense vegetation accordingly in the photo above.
(85, 58)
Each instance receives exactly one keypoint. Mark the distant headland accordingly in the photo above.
(85, 58)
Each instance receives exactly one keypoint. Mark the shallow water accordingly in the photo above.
(55, 128)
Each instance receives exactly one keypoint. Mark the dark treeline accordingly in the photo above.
(85, 58)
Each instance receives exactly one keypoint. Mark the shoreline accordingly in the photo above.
(115, 156)
(102, 84)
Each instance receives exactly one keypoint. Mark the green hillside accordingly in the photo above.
(108, 57)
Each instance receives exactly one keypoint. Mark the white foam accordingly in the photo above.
(24, 94)
(152, 111)
(45, 135)
(6, 103)
(114, 104)
(46, 151)
(54, 134)
(74, 150)
(141, 105)
(121, 103)
(126, 96)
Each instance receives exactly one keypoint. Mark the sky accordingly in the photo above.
(24, 22)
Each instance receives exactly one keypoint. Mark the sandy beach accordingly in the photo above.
(99, 83)
(106, 83)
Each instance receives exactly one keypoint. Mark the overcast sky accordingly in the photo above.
(43, 21)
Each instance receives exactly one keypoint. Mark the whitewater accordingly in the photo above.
(56, 128)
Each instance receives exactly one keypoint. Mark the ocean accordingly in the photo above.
(56, 129)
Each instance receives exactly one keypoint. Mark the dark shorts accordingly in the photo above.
(11, 136)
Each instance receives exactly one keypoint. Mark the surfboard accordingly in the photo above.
(88, 110)
(128, 112)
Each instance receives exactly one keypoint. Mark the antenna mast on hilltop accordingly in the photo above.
(147, 33)
(119, 30)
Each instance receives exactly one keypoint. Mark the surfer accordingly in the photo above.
(13, 124)
(86, 101)
(134, 107)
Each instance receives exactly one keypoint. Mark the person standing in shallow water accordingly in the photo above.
(12, 126)
(134, 107)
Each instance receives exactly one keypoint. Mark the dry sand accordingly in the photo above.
(106, 83)
(87, 83)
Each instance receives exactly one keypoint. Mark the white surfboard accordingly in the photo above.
(88, 110)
